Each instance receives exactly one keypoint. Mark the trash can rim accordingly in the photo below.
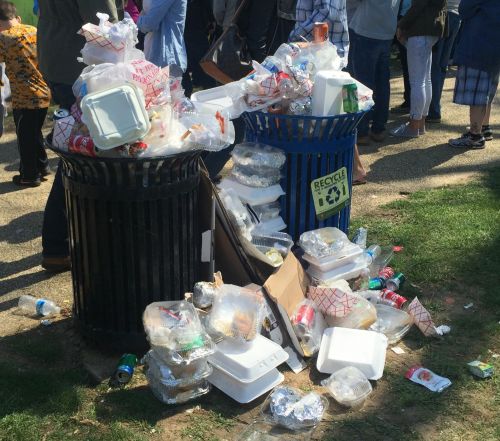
(65, 153)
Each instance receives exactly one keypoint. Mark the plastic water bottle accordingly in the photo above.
(33, 306)
(372, 252)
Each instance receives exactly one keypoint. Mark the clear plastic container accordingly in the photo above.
(269, 226)
(342, 347)
(256, 177)
(248, 361)
(292, 409)
(323, 242)
(266, 212)
(200, 348)
(349, 386)
(258, 156)
(282, 242)
(348, 254)
(176, 395)
(393, 323)
(184, 376)
(308, 324)
(237, 312)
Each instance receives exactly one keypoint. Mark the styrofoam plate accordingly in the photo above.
(245, 392)
(342, 347)
(346, 272)
(247, 361)
(347, 255)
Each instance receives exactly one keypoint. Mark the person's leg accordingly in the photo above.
(258, 18)
(26, 130)
(55, 245)
(364, 65)
(42, 160)
(405, 105)
(477, 116)
(440, 60)
(359, 172)
(383, 87)
(419, 54)
(429, 43)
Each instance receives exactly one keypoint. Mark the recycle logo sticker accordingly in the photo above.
(330, 193)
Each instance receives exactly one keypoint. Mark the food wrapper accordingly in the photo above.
(480, 369)
(94, 35)
(62, 132)
(343, 308)
(422, 318)
(427, 378)
(292, 409)
(204, 292)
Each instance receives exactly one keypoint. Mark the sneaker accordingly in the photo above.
(468, 141)
(402, 109)
(487, 133)
(404, 131)
(21, 182)
(56, 264)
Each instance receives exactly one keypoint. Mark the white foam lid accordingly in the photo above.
(253, 195)
(247, 361)
(245, 392)
(115, 116)
(346, 255)
(346, 272)
(342, 347)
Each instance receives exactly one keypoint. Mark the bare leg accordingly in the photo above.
(477, 118)
(416, 124)
(486, 120)
(359, 171)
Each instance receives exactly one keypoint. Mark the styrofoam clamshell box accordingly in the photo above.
(342, 347)
(247, 361)
(245, 392)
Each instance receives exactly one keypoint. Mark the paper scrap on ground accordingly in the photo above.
(398, 350)
(443, 330)
(469, 305)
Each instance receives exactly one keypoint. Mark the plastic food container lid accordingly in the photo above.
(342, 347)
(115, 116)
(270, 226)
(248, 361)
(245, 392)
(392, 322)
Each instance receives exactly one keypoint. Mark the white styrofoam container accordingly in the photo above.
(253, 195)
(327, 93)
(349, 271)
(115, 116)
(247, 361)
(342, 347)
(245, 392)
(347, 255)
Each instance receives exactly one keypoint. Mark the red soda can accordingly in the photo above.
(386, 273)
(320, 32)
(391, 298)
(82, 145)
(303, 320)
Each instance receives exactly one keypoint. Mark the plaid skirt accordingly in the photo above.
(474, 87)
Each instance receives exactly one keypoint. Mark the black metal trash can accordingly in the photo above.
(134, 239)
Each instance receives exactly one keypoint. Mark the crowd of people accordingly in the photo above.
(42, 63)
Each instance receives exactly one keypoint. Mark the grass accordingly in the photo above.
(451, 240)
(25, 10)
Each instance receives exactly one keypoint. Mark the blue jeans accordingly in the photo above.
(440, 58)
(370, 66)
(55, 227)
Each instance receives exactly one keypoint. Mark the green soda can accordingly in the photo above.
(396, 282)
(125, 369)
(350, 98)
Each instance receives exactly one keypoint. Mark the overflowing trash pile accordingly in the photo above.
(302, 78)
(128, 107)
